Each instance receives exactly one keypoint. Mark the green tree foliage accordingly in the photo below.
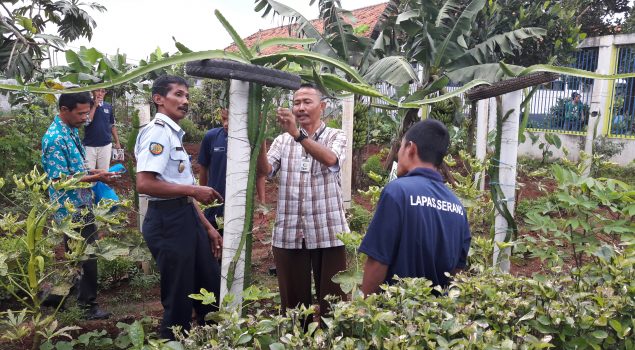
(23, 43)
(20, 137)
(602, 17)
(558, 18)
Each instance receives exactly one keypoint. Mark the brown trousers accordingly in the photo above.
(293, 267)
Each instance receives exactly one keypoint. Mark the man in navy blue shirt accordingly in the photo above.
(420, 227)
(99, 132)
(213, 160)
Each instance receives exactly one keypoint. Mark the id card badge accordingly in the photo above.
(305, 165)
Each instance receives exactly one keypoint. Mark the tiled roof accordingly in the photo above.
(365, 15)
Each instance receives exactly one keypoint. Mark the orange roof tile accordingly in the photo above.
(366, 15)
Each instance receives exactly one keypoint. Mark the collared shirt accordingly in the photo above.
(63, 154)
(419, 229)
(213, 156)
(310, 205)
(159, 149)
(98, 132)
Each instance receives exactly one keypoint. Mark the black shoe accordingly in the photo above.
(95, 313)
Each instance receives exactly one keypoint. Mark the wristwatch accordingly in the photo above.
(303, 135)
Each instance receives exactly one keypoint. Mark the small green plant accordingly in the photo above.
(71, 315)
(373, 164)
(551, 140)
(358, 218)
(136, 335)
(112, 272)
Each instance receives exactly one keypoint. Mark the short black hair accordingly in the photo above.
(162, 84)
(71, 101)
(574, 95)
(312, 86)
(432, 140)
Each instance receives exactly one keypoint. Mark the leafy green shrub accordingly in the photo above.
(142, 282)
(358, 218)
(484, 311)
(581, 215)
(624, 173)
(381, 127)
(71, 315)
(112, 272)
(20, 137)
(373, 164)
(192, 132)
(35, 272)
(606, 148)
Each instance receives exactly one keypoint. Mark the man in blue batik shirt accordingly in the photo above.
(420, 228)
(63, 154)
(213, 166)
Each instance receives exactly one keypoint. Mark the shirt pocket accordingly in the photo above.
(319, 169)
(177, 157)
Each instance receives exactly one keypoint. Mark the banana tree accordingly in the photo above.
(438, 35)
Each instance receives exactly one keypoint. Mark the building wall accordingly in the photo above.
(574, 144)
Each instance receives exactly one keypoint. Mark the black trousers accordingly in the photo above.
(87, 293)
(181, 247)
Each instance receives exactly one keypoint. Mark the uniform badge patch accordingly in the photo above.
(156, 148)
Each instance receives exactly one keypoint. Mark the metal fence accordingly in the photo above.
(622, 118)
(555, 107)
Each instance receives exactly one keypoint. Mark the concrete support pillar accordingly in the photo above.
(348, 108)
(507, 174)
(491, 121)
(144, 113)
(238, 155)
(481, 137)
(603, 89)
(144, 118)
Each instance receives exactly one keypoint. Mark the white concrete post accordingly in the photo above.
(507, 174)
(600, 101)
(491, 122)
(144, 113)
(144, 118)
(238, 155)
(348, 108)
(481, 138)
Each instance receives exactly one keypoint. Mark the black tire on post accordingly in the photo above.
(226, 69)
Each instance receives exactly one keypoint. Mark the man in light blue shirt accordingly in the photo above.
(183, 243)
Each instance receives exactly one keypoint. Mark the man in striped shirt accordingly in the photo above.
(310, 211)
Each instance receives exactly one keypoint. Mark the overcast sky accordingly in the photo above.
(138, 27)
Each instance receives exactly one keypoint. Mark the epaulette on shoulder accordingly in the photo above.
(159, 122)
